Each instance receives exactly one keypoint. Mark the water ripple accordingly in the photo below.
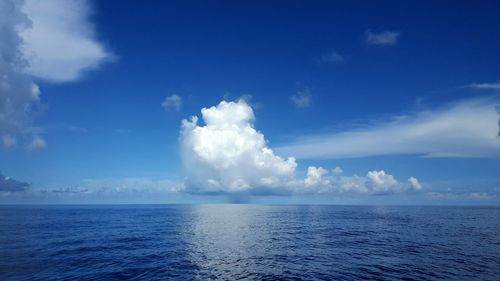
(245, 242)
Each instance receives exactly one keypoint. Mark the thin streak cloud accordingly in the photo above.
(484, 86)
(465, 129)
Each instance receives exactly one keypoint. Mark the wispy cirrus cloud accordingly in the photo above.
(464, 129)
(331, 57)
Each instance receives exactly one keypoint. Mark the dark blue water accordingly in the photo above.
(231, 242)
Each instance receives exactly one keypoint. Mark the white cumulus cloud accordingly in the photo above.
(49, 39)
(227, 154)
(381, 181)
(375, 182)
(414, 183)
(60, 43)
(316, 177)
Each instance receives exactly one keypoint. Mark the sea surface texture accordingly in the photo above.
(249, 242)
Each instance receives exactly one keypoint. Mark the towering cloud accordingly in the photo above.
(228, 155)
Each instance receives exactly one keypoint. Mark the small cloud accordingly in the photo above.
(8, 184)
(381, 182)
(302, 99)
(316, 176)
(8, 141)
(384, 38)
(37, 143)
(337, 171)
(172, 103)
(331, 57)
(414, 183)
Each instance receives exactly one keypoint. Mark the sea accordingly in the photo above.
(249, 242)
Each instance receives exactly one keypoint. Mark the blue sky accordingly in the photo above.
(329, 74)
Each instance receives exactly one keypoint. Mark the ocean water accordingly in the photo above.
(249, 242)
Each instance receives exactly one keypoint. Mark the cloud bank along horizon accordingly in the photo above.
(227, 155)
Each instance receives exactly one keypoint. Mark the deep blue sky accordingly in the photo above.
(206, 51)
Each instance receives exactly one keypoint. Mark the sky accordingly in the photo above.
(303, 102)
